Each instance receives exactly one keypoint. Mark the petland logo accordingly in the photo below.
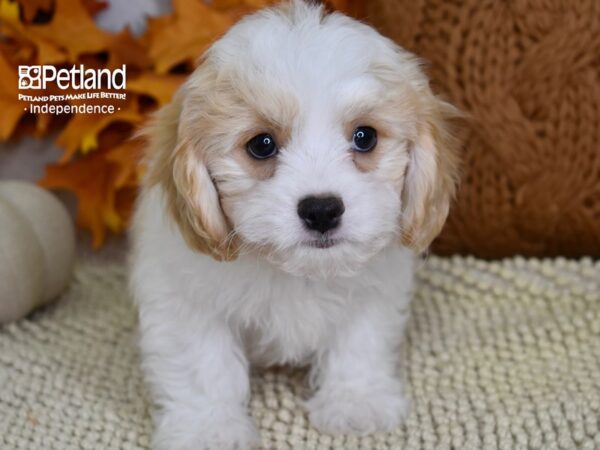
(87, 91)
(77, 77)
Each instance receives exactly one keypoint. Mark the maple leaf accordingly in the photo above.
(9, 11)
(71, 30)
(47, 52)
(183, 36)
(81, 133)
(123, 48)
(12, 29)
(124, 201)
(92, 179)
(160, 87)
(94, 6)
(237, 8)
(12, 109)
(126, 157)
(31, 8)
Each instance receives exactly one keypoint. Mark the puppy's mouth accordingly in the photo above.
(322, 243)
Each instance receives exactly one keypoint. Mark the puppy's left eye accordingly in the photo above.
(262, 146)
(364, 139)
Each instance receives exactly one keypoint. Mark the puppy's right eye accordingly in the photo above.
(364, 139)
(262, 146)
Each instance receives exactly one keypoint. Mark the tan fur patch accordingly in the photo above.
(265, 168)
(415, 115)
(432, 175)
(212, 116)
(385, 118)
(174, 165)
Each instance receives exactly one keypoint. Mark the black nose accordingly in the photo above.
(321, 213)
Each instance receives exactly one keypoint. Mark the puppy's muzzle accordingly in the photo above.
(321, 213)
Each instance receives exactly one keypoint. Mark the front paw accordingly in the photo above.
(361, 408)
(223, 427)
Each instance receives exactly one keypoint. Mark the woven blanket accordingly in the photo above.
(502, 355)
(526, 72)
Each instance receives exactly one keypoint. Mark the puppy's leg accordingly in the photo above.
(358, 389)
(199, 377)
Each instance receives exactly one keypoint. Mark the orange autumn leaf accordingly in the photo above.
(9, 11)
(12, 29)
(42, 124)
(71, 29)
(23, 54)
(124, 201)
(12, 109)
(81, 133)
(160, 87)
(126, 157)
(94, 6)
(184, 36)
(123, 48)
(47, 52)
(92, 179)
(30, 8)
(238, 8)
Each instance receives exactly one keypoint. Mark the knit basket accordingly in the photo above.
(528, 74)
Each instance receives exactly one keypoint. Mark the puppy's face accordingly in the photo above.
(307, 138)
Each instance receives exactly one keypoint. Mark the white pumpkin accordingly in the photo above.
(37, 248)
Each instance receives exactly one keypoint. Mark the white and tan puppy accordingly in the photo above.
(290, 182)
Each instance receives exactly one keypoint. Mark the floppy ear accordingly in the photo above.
(432, 174)
(191, 195)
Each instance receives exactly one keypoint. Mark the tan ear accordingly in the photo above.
(432, 174)
(191, 195)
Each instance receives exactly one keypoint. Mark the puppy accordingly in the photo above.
(289, 184)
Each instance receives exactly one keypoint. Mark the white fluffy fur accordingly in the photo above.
(342, 310)
(203, 322)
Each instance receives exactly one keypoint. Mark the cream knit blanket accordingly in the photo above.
(501, 355)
